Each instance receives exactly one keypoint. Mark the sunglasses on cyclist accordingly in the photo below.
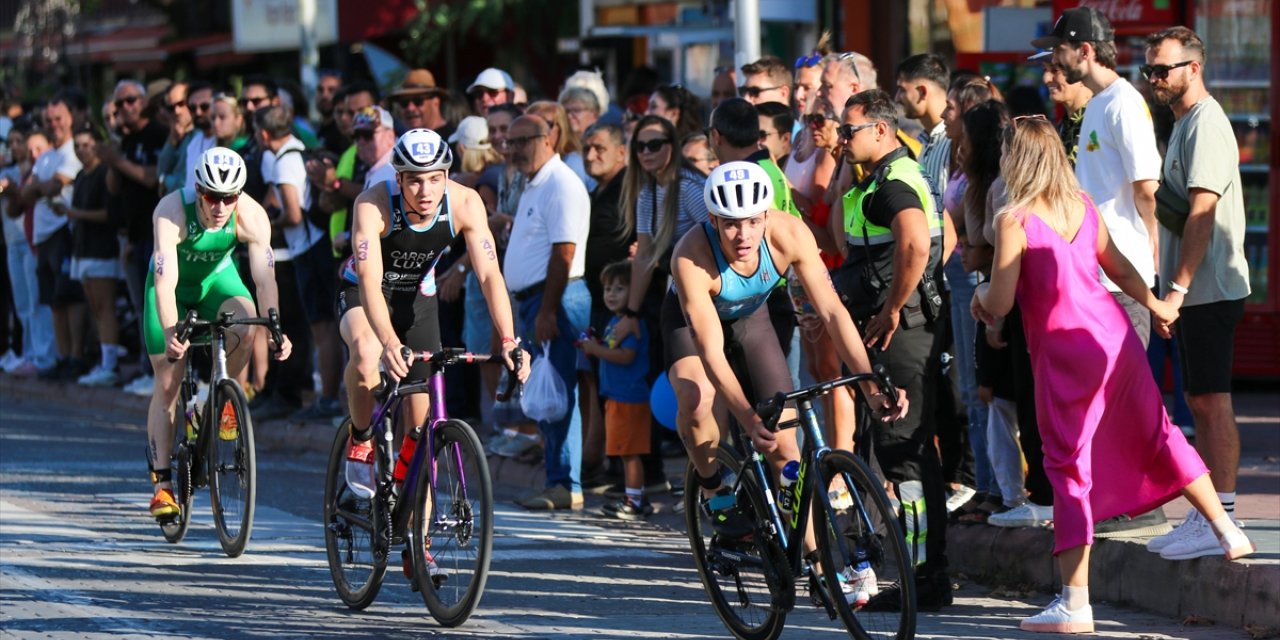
(811, 60)
(753, 92)
(1150, 71)
(652, 146)
(227, 199)
(847, 131)
(129, 100)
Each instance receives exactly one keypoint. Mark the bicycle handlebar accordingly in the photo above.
(192, 322)
(452, 356)
(771, 410)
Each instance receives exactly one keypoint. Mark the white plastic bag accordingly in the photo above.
(545, 398)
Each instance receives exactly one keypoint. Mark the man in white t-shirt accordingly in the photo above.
(545, 261)
(284, 169)
(200, 104)
(54, 171)
(1118, 163)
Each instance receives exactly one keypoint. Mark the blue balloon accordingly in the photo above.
(662, 401)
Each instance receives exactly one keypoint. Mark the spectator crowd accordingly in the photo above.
(588, 193)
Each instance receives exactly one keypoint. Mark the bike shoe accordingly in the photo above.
(727, 519)
(228, 426)
(163, 505)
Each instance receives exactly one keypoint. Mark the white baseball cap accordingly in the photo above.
(492, 78)
(472, 132)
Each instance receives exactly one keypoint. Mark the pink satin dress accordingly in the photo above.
(1109, 446)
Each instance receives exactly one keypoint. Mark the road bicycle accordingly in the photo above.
(213, 439)
(443, 514)
(752, 581)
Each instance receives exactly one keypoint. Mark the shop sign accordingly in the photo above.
(1125, 14)
(274, 25)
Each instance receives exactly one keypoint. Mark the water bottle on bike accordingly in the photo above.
(786, 487)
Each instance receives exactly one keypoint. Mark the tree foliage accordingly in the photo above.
(479, 20)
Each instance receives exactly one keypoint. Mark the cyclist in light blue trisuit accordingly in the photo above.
(724, 271)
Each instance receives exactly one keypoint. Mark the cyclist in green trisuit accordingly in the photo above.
(196, 232)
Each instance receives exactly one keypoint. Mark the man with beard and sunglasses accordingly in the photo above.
(200, 104)
(196, 233)
(1200, 207)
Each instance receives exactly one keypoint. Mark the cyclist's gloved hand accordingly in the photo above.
(765, 441)
(886, 410)
(283, 349)
(393, 361)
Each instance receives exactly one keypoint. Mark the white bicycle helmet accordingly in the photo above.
(421, 150)
(738, 190)
(221, 170)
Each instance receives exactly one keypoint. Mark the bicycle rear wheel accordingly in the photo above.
(356, 569)
(451, 534)
(864, 542)
(175, 528)
(232, 467)
(743, 578)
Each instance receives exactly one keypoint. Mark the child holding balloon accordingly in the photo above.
(623, 366)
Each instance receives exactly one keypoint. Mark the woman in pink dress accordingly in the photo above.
(1109, 447)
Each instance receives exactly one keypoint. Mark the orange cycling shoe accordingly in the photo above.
(228, 427)
(163, 504)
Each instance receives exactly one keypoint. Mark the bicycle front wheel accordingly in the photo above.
(744, 578)
(357, 569)
(860, 541)
(451, 535)
(232, 467)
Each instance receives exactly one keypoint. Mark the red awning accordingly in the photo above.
(365, 20)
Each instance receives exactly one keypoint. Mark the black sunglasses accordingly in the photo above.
(652, 146)
(201, 107)
(753, 92)
(847, 131)
(256, 102)
(811, 60)
(126, 100)
(416, 101)
(1150, 71)
(817, 120)
(174, 106)
(516, 143)
(364, 135)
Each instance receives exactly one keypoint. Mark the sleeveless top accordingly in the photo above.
(800, 172)
(741, 295)
(204, 252)
(409, 254)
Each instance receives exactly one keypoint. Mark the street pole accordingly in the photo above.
(746, 32)
(310, 58)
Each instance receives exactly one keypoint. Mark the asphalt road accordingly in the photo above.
(81, 558)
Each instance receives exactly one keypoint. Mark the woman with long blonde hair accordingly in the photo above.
(1109, 447)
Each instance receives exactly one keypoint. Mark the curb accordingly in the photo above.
(1122, 571)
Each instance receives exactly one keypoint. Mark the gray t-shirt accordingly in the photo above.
(1203, 154)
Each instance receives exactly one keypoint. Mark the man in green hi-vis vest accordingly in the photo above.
(892, 241)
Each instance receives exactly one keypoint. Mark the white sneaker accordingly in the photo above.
(1026, 514)
(142, 386)
(1201, 541)
(18, 363)
(859, 586)
(1057, 618)
(958, 497)
(99, 377)
(359, 473)
(1158, 544)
